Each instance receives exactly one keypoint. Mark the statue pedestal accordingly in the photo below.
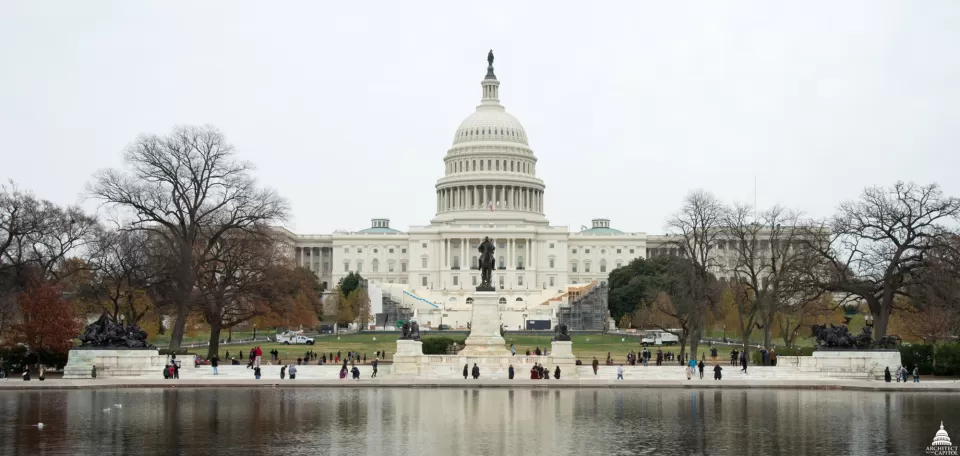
(113, 363)
(485, 338)
(406, 361)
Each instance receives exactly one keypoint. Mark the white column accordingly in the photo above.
(446, 245)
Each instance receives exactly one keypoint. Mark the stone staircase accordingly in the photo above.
(674, 372)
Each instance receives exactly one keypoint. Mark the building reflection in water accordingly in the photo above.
(449, 421)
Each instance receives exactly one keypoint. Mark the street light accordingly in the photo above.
(868, 319)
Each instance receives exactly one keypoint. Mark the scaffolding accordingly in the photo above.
(586, 308)
(392, 312)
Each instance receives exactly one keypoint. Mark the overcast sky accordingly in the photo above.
(347, 108)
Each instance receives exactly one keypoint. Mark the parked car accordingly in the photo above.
(294, 338)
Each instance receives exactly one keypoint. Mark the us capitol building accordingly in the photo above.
(489, 188)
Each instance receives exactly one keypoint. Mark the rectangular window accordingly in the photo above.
(403, 281)
(424, 245)
(391, 251)
(618, 250)
(551, 263)
(359, 266)
(573, 282)
(573, 267)
(390, 267)
(361, 251)
(551, 281)
(403, 266)
(423, 262)
(501, 282)
(423, 281)
(551, 246)
(346, 267)
(474, 278)
(586, 250)
(520, 280)
(603, 267)
(346, 250)
(403, 250)
(586, 267)
(631, 251)
(456, 281)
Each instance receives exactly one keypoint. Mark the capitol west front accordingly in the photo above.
(490, 189)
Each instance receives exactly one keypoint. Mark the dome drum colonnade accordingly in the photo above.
(490, 165)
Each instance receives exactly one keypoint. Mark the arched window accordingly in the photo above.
(403, 266)
(481, 165)
(474, 263)
(498, 165)
(391, 265)
(474, 165)
(359, 265)
(503, 301)
(469, 300)
(586, 266)
(488, 165)
(519, 299)
(452, 299)
(603, 265)
(375, 265)
(511, 166)
(619, 264)
(573, 266)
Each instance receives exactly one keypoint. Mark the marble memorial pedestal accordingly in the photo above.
(113, 363)
(406, 361)
(485, 338)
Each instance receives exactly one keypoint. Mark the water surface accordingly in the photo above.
(294, 421)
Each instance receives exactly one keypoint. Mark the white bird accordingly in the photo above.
(118, 405)
(106, 410)
(39, 425)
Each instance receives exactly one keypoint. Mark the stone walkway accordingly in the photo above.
(826, 383)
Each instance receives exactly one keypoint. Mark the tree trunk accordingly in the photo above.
(214, 348)
(176, 337)
(695, 343)
(768, 331)
(880, 322)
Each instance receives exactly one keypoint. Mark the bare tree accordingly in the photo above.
(36, 237)
(122, 271)
(697, 228)
(186, 189)
(875, 248)
(769, 263)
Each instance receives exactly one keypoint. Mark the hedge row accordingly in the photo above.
(938, 359)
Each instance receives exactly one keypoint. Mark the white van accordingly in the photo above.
(658, 337)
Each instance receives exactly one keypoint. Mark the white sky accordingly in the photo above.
(347, 108)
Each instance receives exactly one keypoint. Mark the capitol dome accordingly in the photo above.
(490, 125)
(942, 439)
(490, 167)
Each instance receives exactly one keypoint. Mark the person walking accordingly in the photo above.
(466, 371)
(376, 362)
(701, 366)
(293, 372)
(620, 372)
(356, 373)
(596, 365)
(916, 374)
(743, 361)
(259, 354)
(898, 373)
(214, 362)
(556, 373)
(476, 371)
(513, 350)
(692, 365)
(256, 372)
(903, 373)
(886, 374)
(283, 372)
(716, 372)
(510, 371)
(42, 373)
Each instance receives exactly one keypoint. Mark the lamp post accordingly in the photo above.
(868, 319)
(254, 331)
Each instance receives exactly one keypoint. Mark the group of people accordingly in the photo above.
(538, 372)
(536, 351)
(902, 374)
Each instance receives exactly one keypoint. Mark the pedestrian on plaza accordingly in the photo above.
(176, 371)
(898, 373)
(476, 371)
(93, 371)
(743, 361)
(293, 372)
(886, 374)
(716, 372)
(596, 365)
(375, 363)
(283, 372)
(620, 372)
(356, 373)
(256, 372)
(916, 374)
(903, 373)
(701, 366)
(466, 371)
(513, 350)
(556, 373)
(259, 354)
(214, 362)
(510, 372)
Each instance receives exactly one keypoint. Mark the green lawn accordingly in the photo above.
(585, 347)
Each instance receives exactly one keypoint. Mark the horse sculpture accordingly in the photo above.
(833, 337)
(560, 333)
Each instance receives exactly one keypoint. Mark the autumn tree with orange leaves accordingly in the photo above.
(48, 322)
